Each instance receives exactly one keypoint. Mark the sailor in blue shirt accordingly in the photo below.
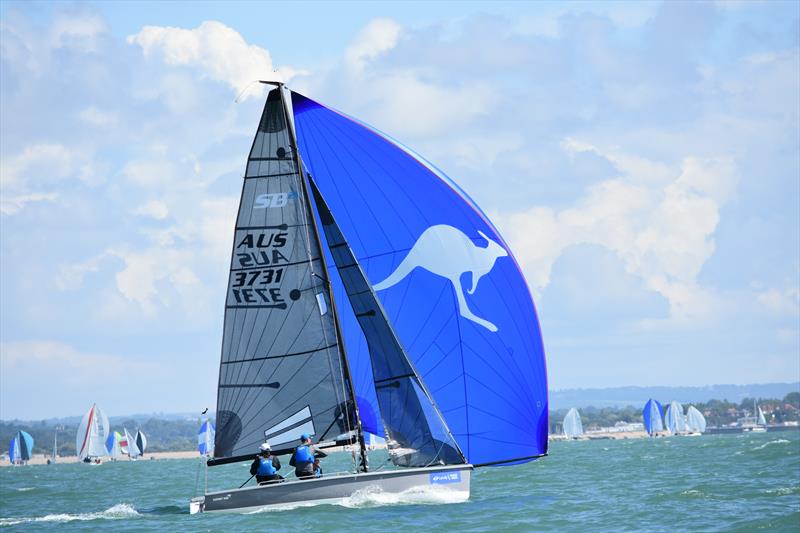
(303, 458)
(265, 466)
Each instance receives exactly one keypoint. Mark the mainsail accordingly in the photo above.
(651, 414)
(573, 427)
(281, 369)
(761, 420)
(90, 440)
(416, 432)
(695, 421)
(447, 282)
(674, 419)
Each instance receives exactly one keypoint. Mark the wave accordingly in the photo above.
(783, 491)
(778, 441)
(417, 495)
(116, 512)
(376, 497)
(25, 489)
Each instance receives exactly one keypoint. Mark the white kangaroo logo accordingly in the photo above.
(446, 251)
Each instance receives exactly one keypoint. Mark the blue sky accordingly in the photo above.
(641, 159)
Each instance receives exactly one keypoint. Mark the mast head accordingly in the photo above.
(268, 82)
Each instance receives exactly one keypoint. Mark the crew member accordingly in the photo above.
(265, 466)
(303, 458)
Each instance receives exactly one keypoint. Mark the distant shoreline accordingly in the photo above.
(41, 459)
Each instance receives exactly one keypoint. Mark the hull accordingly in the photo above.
(334, 488)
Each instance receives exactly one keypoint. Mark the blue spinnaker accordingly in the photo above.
(652, 414)
(13, 451)
(448, 282)
(24, 446)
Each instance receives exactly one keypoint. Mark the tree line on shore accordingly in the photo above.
(180, 435)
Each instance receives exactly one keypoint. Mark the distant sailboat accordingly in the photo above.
(761, 421)
(205, 439)
(651, 414)
(674, 419)
(90, 440)
(113, 445)
(21, 448)
(141, 441)
(573, 427)
(13, 451)
(343, 234)
(132, 449)
(695, 421)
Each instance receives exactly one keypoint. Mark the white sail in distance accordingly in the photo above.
(695, 421)
(573, 427)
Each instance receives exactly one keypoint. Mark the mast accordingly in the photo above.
(339, 337)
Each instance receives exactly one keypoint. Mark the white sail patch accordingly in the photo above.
(448, 252)
(323, 307)
(290, 429)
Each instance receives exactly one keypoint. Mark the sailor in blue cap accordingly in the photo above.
(303, 458)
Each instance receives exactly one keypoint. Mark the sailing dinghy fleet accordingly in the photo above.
(93, 440)
(368, 294)
(675, 421)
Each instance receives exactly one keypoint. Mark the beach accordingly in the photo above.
(41, 459)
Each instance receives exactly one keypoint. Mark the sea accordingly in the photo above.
(743, 482)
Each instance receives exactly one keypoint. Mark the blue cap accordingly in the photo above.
(305, 436)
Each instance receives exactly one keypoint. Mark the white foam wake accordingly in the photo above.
(376, 497)
(778, 441)
(116, 512)
(428, 495)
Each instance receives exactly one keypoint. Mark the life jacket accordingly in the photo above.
(265, 467)
(303, 456)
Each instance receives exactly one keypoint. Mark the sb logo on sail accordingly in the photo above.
(279, 199)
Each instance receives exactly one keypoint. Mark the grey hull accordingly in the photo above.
(329, 489)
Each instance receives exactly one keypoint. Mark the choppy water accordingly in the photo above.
(709, 483)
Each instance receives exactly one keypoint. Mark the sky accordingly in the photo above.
(642, 160)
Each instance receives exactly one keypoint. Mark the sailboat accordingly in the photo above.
(90, 439)
(21, 448)
(205, 439)
(141, 441)
(573, 427)
(760, 422)
(131, 447)
(412, 320)
(695, 421)
(651, 414)
(674, 419)
(114, 445)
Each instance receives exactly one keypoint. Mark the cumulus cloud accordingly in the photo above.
(12, 204)
(154, 208)
(378, 36)
(216, 51)
(663, 233)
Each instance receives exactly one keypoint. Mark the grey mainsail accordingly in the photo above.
(281, 371)
(416, 432)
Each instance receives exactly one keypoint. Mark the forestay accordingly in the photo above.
(450, 288)
(281, 369)
(416, 433)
